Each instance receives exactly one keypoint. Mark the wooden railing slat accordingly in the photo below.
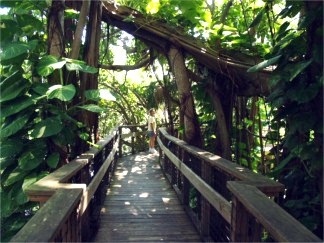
(46, 222)
(215, 199)
(92, 187)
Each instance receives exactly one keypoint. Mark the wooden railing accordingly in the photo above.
(137, 136)
(71, 197)
(225, 201)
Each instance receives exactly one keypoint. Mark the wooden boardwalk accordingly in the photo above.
(141, 205)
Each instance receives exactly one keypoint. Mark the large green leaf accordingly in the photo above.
(29, 23)
(12, 86)
(6, 204)
(7, 161)
(16, 175)
(16, 105)
(296, 69)
(81, 67)
(53, 160)
(33, 157)
(264, 64)
(8, 129)
(47, 127)
(64, 93)
(48, 64)
(10, 147)
(13, 50)
(96, 95)
(21, 197)
(29, 180)
(92, 108)
(92, 94)
(258, 18)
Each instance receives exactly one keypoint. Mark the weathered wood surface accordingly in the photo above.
(266, 185)
(279, 223)
(213, 197)
(51, 219)
(142, 206)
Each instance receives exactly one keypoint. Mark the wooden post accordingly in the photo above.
(186, 184)
(205, 205)
(120, 151)
(133, 139)
(244, 227)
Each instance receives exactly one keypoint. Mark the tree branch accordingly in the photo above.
(78, 32)
(142, 63)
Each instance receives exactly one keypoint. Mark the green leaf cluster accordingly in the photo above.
(38, 125)
(296, 100)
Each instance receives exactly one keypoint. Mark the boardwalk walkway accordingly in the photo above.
(142, 206)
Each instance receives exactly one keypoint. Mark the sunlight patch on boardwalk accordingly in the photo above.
(142, 206)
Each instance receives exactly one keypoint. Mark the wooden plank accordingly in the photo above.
(142, 206)
(280, 224)
(213, 197)
(50, 218)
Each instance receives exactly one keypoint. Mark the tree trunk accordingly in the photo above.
(55, 45)
(222, 129)
(90, 81)
(79, 30)
(192, 133)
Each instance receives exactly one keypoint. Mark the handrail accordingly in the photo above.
(250, 201)
(243, 208)
(236, 171)
(44, 225)
(65, 185)
(190, 167)
(137, 135)
(220, 203)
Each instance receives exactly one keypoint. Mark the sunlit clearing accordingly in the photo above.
(165, 199)
(144, 194)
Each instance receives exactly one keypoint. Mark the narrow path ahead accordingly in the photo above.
(142, 206)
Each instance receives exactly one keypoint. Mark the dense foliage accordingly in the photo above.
(280, 135)
(38, 128)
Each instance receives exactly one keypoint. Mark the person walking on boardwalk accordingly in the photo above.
(151, 130)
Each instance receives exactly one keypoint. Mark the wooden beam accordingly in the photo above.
(213, 197)
(280, 224)
(50, 218)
